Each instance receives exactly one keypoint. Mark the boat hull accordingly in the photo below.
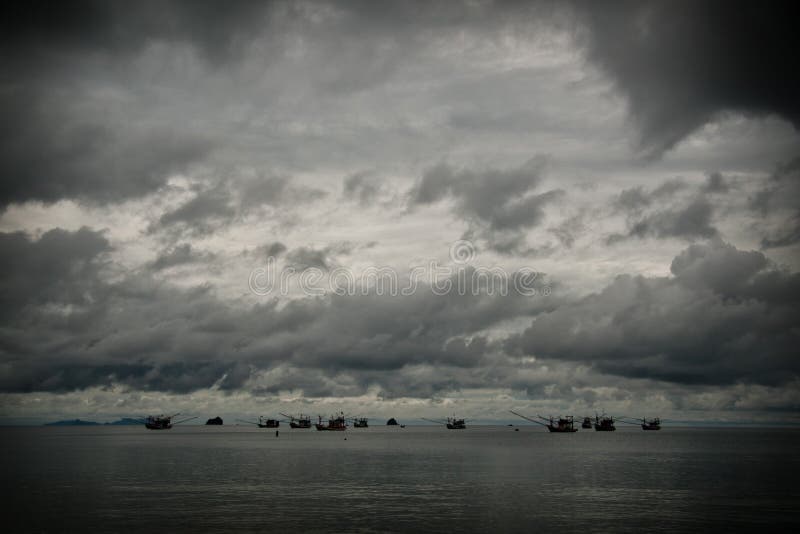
(330, 428)
(557, 429)
(270, 424)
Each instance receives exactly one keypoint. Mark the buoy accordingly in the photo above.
(277, 433)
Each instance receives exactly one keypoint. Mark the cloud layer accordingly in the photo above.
(640, 158)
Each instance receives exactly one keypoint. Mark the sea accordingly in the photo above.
(391, 479)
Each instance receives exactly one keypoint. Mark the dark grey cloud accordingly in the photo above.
(716, 183)
(66, 326)
(45, 29)
(201, 214)
(50, 151)
(362, 187)
(381, 340)
(305, 257)
(720, 267)
(255, 192)
(77, 118)
(274, 249)
(570, 229)
(689, 221)
(637, 199)
(321, 258)
(499, 204)
(494, 197)
(181, 254)
(777, 199)
(214, 207)
(778, 192)
(59, 269)
(59, 140)
(725, 316)
(786, 237)
(680, 64)
(144, 333)
(633, 200)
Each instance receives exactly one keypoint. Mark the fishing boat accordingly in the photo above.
(158, 422)
(335, 422)
(560, 424)
(604, 423)
(646, 424)
(451, 423)
(651, 424)
(587, 423)
(303, 421)
(163, 422)
(456, 424)
(360, 422)
(264, 422)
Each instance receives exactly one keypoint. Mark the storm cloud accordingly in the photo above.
(59, 269)
(724, 316)
(680, 64)
(150, 335)
(61, 138)
(638, 161)
(498, 204)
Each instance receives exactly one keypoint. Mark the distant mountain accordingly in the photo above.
(81, 422)
(73, 422)
(126, 421)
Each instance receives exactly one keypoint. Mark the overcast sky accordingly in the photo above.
(642, 158)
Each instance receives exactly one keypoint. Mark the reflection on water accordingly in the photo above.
(391, 479)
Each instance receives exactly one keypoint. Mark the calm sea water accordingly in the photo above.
(483, 479)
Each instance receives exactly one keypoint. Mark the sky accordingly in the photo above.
(399, 209)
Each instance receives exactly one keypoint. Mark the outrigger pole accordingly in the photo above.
(184, 420)
(432, 421)
(248, 422)
(628, 422)
(528, 418)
